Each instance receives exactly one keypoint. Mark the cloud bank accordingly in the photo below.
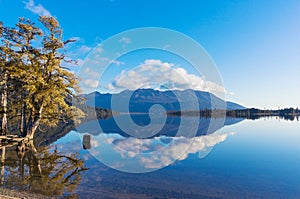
(36, 9)
(157, 74)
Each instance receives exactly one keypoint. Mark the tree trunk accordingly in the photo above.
(4, 106)
(35, 124)
(23, 125)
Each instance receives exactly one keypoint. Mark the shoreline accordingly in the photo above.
(6, 193)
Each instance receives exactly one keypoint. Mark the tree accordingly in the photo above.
(40, 85)
(8, 60)
(3, 83)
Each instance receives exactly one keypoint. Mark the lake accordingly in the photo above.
(246, 159)
(241, 159)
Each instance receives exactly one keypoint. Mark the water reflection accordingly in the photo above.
(259, 161)
(170, 128)
(141, 155)
(43, 170)
(118, 150)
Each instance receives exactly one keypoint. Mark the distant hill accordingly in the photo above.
(142, 99)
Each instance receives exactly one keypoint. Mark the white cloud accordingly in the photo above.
(167, 46)
(125, 40)
(91, 83)
(156, 74)
(36, 9)
(99, 49)
(109, 61)
(109, 87)
(77, 52)
(84, 49)
(90, 73)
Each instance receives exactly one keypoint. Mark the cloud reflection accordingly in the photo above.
(134, 154)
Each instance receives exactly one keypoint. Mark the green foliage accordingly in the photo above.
(36, 85)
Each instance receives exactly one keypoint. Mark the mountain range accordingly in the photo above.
(142, 100)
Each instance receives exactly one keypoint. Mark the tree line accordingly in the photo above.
(249, 113)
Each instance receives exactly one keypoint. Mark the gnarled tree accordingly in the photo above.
(40, 85)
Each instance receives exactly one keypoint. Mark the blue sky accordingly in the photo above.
(255, 44)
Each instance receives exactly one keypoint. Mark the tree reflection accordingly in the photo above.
(44, 170)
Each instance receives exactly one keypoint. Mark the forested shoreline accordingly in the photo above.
(249, 113)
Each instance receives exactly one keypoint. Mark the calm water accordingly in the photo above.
(244, 159)
(247, 159)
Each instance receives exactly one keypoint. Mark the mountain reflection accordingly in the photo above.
(43, 170)
(121, 151)
(192, 126)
